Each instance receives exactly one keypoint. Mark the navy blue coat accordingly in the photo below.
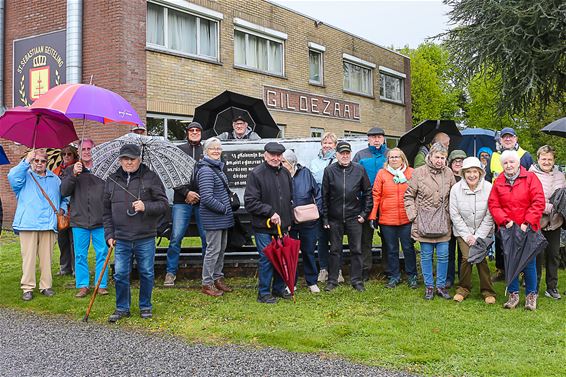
(215, 210)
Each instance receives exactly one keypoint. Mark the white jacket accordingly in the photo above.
(468, 210)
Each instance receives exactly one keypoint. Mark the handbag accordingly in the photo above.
(431, 222)
(63, 220)
(234, 199)
(304, 213)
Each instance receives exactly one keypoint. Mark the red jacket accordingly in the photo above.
(521, 203)
(388, 198)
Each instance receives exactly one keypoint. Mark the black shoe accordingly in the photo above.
(359, 287)
(448, 284)
(330, 287)
(27, 296)
(114, 317)
(553, 293)
(266, 299)
(412, 282)
(392, 283)
(443, 292)
(146, 313)
(429, 293)
(48, 292)
(64, 273)
(365, 275)
(284, 295)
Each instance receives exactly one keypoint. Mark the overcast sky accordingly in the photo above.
(388, 23)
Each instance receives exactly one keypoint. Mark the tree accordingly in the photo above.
(521, 42)
(481, 108)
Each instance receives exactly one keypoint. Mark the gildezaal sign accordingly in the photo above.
(39, 65)
(310, 104)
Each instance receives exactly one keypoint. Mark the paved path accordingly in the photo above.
(32, 345)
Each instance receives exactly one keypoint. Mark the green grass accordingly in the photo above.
(395, 329)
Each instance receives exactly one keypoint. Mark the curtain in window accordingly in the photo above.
(155, 24)
(207, 38)
(182, 32)
(275, 57)
(257, 53)
(357, 79)
(314, 66)
(391, 88)
(239, 48)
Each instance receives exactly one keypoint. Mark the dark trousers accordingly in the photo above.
(307, 234)
(499, 261)
(390, 238)
(453, 250)
(367, 244)
(550, 258)
(67, 258)
(465, 283)
(353, 229)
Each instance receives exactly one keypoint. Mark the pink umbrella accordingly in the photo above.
(37, 128)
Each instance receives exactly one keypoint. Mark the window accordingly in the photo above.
(316, 63)
(179, 31)
(258, 48)
(282, 128)
(172, 127)
(317, 132)
(358, 75)
(391, 141)
(391, 85)
(354, 133)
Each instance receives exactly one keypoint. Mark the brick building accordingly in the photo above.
(169, 56)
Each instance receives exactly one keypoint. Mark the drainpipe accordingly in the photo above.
(74, 41)
(2, 104)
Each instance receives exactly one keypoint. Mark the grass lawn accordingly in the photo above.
(395, 329)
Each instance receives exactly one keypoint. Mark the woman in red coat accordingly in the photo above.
(517, 197)
(389, 209)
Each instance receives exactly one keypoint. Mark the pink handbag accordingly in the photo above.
(307, 212)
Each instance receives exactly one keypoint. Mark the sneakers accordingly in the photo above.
(117, 315)
(323, 275)
(222, 286)
(512, 301)
(443, 292)
(489, 300)
(146, 314)
(429, 293)
(552, 293)
(392, 283)
(211, 290)
(284, 295)
(458, 297)
(340, 277)
(266, 299)
(102, 291)
(412, 282)
(531, 301)
(498, 276)
(169, 280)
(83, 292)
(27, 296)
(314, 288)
(48, 292)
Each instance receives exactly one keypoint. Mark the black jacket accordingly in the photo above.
(86, 191)
(269, 190)
(196, 152)
(346, 193)
(144, 184)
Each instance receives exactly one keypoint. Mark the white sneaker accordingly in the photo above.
(314, 288)
(169, 280)
(323, 275)
(340, 277)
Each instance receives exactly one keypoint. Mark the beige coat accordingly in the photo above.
(551, 182)
(428, 188)
(468, 210)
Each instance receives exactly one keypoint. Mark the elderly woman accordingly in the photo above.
(326, 156)
(216, 215)
(305, 191)
(426, 203)
(551, 179)
(455, 161)
(389, 212)
(471, 220)
(517, 197)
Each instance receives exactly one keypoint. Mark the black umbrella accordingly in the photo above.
(558, 201)
(556, 128)
(519, 249)
(478, 251)
(216, 115)
(424, 132)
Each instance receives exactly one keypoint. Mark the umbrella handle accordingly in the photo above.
(268, 222)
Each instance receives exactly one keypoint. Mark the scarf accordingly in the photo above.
(398, 176)
(511, 179)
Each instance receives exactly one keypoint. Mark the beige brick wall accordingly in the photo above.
(177, 84)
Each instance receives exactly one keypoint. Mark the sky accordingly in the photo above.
(388, 23)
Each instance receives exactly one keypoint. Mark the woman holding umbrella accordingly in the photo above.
(517, 197)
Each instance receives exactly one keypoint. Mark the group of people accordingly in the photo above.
(447, 201)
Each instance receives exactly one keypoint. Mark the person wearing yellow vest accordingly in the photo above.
(508, 141)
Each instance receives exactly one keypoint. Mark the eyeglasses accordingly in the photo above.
(215, 149)
(67, 154)
(392, 157)
(194, 130)
(86, 149)
(507, 136)
(40, 161)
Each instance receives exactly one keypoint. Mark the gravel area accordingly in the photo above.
(32, 345)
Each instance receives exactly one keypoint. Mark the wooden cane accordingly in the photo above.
(85, 319)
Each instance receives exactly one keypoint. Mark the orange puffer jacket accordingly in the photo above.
(388, 198)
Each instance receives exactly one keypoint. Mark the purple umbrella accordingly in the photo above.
(37, 128)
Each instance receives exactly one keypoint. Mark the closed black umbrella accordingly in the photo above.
(478, 251)
(556, 128)
(216, 115)
(558, 201)
(424, 132)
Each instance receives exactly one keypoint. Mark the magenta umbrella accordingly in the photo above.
(37, 128)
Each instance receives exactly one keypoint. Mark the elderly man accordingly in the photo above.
(371, 159)
(241, 131)
(185, 205)
(268, 196)
(38, 200)
(86, 192)
(139, 129)
(346, 204)
(508, 142)
(441, 138)
(134, 198)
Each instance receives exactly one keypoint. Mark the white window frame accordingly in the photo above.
(315, 131)
(167, 117)
(317, 49)
(192, 10)
(388, 72)
(349, 133)
(353, 60)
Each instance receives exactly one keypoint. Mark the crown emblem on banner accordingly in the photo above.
(39, 60)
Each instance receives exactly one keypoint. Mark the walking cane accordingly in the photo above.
(85, 319)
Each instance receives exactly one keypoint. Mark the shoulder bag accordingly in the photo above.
(63, 220)
(234, 199)
(431, 222)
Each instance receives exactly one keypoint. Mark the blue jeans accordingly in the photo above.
(181, 217)
(81, 241)
(391, 236)
(530, 272)
(307, 235)
(427, 249)
(267, 274)
(144, 251)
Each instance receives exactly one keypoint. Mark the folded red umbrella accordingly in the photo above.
(283, 253)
